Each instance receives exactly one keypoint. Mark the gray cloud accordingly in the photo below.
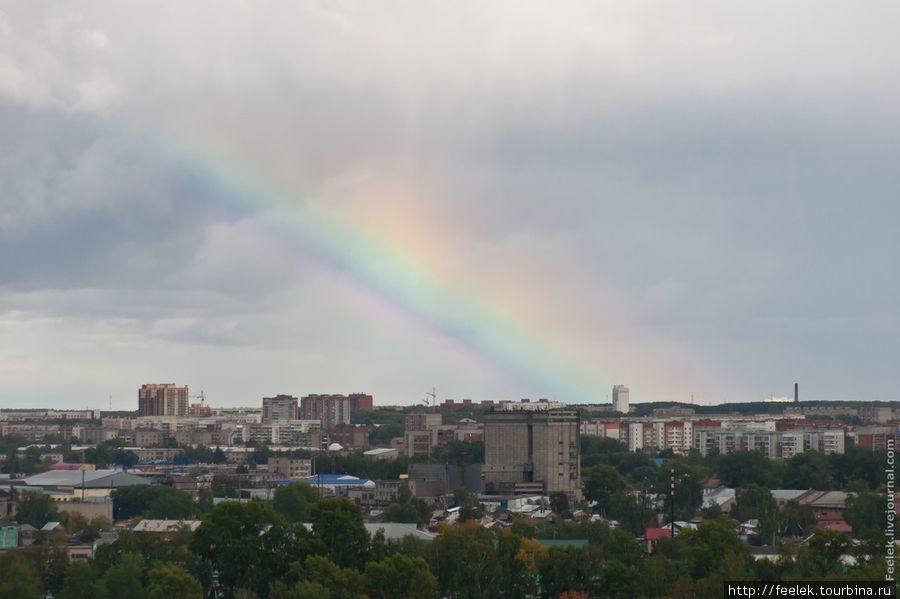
(695, 198)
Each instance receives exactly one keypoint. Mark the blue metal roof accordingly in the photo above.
(327, 479)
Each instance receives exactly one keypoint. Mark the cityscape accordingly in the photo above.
(326, 299)
(609, 486)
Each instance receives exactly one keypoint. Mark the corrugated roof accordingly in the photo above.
(338, 479)
(91, 478)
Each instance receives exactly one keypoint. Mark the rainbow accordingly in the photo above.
(382, 278)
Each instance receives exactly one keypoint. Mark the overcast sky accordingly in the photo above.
(496, 199)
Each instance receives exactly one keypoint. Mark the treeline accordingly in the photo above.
(252, 551)
(856, 469)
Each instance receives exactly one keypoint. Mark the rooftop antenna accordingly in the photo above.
(431, 394)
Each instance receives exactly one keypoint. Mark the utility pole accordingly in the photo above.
(672, 502)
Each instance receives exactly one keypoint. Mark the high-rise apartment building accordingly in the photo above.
(620, 398)
(162, 400)
(361, 402)
(330, 410)
(280, 408)
(528, 451)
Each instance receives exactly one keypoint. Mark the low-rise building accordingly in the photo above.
(288, 467)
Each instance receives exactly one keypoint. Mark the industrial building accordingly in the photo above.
(532, 451)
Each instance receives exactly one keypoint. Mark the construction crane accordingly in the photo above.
(201, 397)
(431, 394)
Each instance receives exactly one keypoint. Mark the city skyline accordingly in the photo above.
(497, 201)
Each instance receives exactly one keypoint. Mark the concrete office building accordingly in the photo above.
(620, 398)
(162, 400)
(532, 451)
(280, 408)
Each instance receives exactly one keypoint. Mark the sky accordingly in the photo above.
(493, 200)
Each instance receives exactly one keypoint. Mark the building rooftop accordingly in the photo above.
(338, 480)
(161, 526)
(394, 531)
(92, 479)
(787, 494)
(380, 451)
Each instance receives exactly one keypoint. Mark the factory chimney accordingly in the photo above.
(796, 393)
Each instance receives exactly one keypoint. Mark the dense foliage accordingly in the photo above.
(248, 550)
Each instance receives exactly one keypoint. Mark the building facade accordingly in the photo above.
(361, 402)
(330, 410)
(281, 408)
(532, 450)
(349, 437)
(288, 467)
(162, 400)
(620, 398)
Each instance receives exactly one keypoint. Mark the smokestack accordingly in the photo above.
(796, 393)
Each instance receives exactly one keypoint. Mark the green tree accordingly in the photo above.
(81, 583)
(123, 579)
(559, 502)
(565, 569)
(866, 514)
(515, 580)
(757, 502)
(338, 524)
(622, 546)
(688, 491)
(248, 545)
(808, 470)
(469, 508)
(705, 548)
(294, 500)
(204, 501)
(618, 580)
(602, 483)
(19, 580)
(168, 581)
(50, 563)
(821, 556)
(320, 578)
(415, 512)
(632, 511)
(463, 560)
(153, 502)
(740, 468)
(150, 546)
(400, 576)
(36, 509)
(795, 519)
(169, 503)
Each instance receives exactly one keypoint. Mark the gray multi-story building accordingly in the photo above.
(772, 444)
(280, 408)
(330, 410)
(620, 398)
(532, 451)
